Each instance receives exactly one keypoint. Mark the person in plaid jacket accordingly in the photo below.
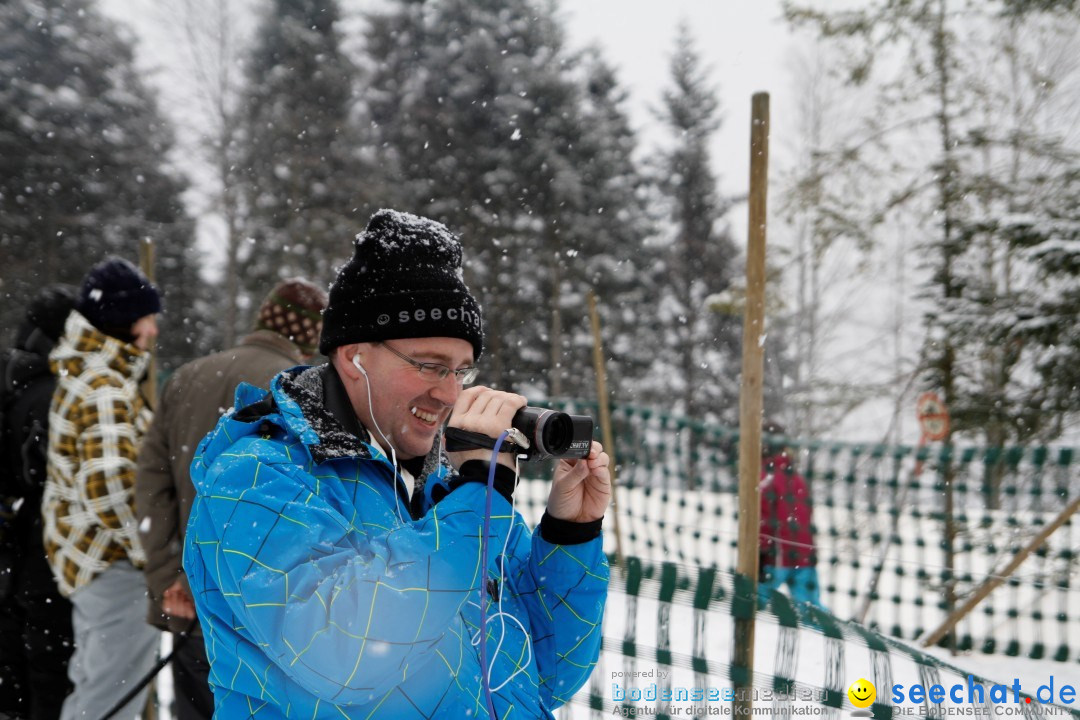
(334, 551)
(96, 422)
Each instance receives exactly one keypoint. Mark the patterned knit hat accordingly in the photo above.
(293, 309)
(404, 281)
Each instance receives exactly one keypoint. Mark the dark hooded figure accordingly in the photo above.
(35, 620)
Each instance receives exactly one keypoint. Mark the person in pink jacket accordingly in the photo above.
(786, 536)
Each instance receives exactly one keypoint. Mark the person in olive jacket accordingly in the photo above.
(286, 334)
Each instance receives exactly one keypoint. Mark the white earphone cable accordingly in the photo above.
(393, 455)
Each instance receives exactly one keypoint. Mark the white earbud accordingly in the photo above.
(356, 362)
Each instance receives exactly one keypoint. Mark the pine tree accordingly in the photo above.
(984, 144)
(1020, 175)
(457, 90)
(85, 171)
(1048, 236)
(610, 254)
(699, 255)
(300, 181)
(483, 120)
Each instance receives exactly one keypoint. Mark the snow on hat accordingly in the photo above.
(115, 294)
(293, 309)
(404, 281)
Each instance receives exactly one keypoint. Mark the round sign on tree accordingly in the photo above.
(933, 417)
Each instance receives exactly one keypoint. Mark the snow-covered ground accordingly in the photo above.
(690, 525)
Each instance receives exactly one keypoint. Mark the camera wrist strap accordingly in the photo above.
(458, 440)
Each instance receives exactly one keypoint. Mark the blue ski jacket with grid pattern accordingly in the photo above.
(321, 596)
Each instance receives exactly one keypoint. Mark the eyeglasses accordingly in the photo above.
(436, 372)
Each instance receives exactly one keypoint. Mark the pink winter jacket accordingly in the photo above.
(785, 538)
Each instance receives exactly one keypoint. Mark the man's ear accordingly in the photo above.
(343, 359)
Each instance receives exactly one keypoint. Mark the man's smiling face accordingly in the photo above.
(408, 408)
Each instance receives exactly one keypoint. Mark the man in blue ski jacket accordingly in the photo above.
(334, 550)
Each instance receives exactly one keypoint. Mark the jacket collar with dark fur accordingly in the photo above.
(326, 407)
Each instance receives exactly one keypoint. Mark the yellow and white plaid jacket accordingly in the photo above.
(96, 422)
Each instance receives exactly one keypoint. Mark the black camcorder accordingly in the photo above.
(553, 434)
(546, 434)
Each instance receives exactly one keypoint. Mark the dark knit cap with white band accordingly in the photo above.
(404, 281)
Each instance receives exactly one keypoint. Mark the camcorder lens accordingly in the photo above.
(557, 432)
(554, 434)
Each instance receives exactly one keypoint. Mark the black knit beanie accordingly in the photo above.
(404, 281)
(114, 295)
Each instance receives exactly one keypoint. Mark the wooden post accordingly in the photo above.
(993, 581)
(149, 390)
(146, 264)
(950, 545)
(750, 410)
(605, 421)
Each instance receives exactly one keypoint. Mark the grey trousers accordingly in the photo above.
(114, 645)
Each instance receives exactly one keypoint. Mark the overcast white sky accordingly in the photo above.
(743, 42)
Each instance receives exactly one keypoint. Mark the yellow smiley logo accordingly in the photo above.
(862, 693)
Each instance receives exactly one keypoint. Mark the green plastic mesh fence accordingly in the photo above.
(880, 525)
(667, 653)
